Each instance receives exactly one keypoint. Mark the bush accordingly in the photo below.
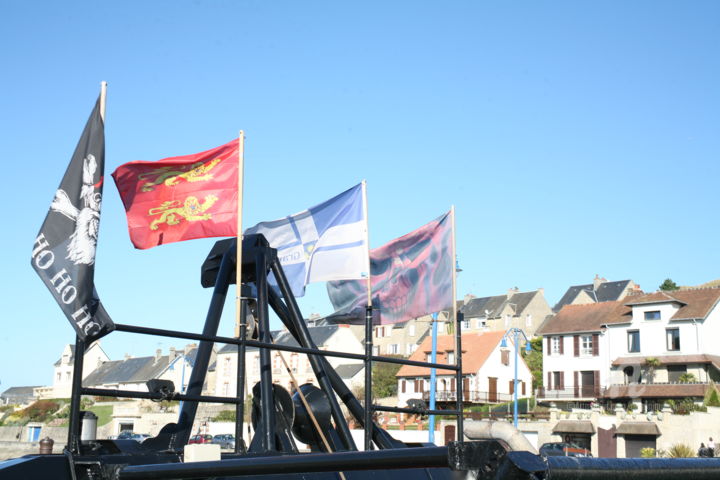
(39, 411)
(681, 450)
(685, 406)
(687, 378)
(647, 452)
(713, 400)
(225, 416)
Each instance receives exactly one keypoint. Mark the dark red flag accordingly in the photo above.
(181, 198)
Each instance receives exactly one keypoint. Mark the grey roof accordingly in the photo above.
(494, 306)
(133, 370)
(606, 292)
(319, 335)
(348, 370)
(18, 392)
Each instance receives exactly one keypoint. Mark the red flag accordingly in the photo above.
(181, 198)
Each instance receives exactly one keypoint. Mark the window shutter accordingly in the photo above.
(596, 383)
(576, 345)
(562, 381)
(549, 382)
(511, 388)
(452, 384)
(505, 357)
(403, 385)
(562, 344)
(466, 387)
(548, 348)
(576, 384)
(522, 384)
(596, 344)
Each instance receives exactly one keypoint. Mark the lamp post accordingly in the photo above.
(515, 333)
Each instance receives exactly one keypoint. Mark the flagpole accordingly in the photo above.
(367, 421)
(103, 95)
(238, 254)
(458, 335)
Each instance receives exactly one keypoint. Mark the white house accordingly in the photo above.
(63, 370)
(132, 373)
(337, 338)
(601, 351)
(487, 371)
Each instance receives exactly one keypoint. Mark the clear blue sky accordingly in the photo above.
(574, 138)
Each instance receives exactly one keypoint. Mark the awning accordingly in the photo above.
(574, 426)
(638, 428)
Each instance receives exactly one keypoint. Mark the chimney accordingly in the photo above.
(172, 354)
(597, 281)
(127, 356)
(541, 291)
(468, 297)
(512, 291)
(158, 353)
(189, 347)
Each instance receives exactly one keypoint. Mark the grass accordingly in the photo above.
(104, 414)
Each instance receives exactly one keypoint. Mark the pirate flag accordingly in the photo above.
(64, 250)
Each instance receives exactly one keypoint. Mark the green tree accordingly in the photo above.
(384, 382)
(668, 286)
(534, 361)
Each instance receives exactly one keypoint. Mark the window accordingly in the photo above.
(466, 324)
(633, 341)
(586, 345)
(673, 339)
(675, 372)
(393, 349)
(376, 350)
(481, 323)
(451, 358)
(556, 381)
(653, 315)
(505, 357)
(555, 348)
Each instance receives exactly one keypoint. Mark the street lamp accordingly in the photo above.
(515, 333)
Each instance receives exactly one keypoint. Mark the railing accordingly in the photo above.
(568, 393)
(471, 396)
(529, 416)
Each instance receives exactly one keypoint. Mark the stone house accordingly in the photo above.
(523, 310)
(63, 370)
(597, 292)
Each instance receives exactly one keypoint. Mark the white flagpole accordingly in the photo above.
(103, 94)
(238, 267)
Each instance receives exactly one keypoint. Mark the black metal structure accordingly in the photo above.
(279, 419)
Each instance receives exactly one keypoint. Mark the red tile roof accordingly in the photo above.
(585, 318)
(695, 303)
(476, 348)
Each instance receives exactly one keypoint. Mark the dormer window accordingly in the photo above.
(652, 315)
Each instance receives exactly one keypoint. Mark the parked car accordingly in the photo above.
(201, 439)
(128, 435)
(563, 449)
(225, 440)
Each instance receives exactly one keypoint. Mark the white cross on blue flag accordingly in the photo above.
(325, 242)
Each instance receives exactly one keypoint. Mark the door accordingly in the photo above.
(492, 389)
(607, 443)
(449, 434)
(587, 380)
(635, 443)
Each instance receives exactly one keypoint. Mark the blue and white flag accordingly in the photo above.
(325, 242)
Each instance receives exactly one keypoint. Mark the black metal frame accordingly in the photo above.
(259, 260)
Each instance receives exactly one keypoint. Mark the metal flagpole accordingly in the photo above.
(368, 331)
(433, 359)
(238, 257)
(240, 305)
(458, 337)
(103, 95)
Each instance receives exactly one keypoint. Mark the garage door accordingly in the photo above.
(635, 443)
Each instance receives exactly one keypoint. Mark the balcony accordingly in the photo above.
(471, 396)
(580, 392)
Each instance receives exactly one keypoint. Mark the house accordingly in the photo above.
(18, 396)
(132, 373)
(677, 332)
(403, 338)
(487, 371)
(523, 310)
(337, 338)
(597, 292)
(63, 370)
(644, 349)
(575, 351)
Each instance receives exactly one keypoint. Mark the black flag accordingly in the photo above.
(64, 250)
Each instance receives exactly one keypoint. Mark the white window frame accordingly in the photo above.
(586, 345)
(555, 345)
(451, 358)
